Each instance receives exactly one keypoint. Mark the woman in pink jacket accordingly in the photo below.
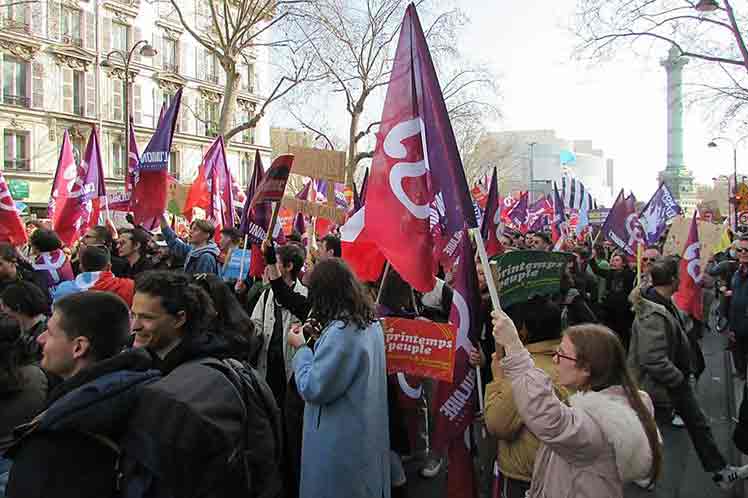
(605, 438)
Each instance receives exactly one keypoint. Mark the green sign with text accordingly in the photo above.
(19, 189)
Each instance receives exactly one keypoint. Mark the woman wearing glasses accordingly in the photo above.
(606, 437)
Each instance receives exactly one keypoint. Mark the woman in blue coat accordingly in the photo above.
(343, 381)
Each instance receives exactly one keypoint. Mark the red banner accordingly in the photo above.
(421, 348)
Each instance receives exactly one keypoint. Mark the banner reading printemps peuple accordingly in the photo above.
(520, 275)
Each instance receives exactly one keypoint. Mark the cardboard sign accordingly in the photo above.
(420, 347)
(520, 275)
(709, 237)
(314, 209)
(317, 163)
(231, 268)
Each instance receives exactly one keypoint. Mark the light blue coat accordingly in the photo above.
(345, 450)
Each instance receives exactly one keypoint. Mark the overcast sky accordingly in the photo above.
(620, 106)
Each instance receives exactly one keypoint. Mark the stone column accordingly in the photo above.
(674, 67)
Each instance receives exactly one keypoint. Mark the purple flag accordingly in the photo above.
(537, 214)
(340, 200)
(492, 216)
(156, 154)
(218, 179)
(248, 225)
(454, 404)
(299, 223)
(518, 213)
(622, 225)
(559, 228)
(660, 208)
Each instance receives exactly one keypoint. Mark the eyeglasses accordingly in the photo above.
(559, 354)
(741, 249)
(646, 260)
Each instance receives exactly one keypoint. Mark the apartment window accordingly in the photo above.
(170, 59)
(249, 135)
(15, 81)
(119, 161)
(16, 151)
(212, 116)
(247, 167)
(71, 26)
(118, 99)
(251, 84)
(73, 89)
(119, 37)
(211, 68)
(15, 17)
(174, 164)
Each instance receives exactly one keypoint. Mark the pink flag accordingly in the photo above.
(11, 226)
(218, 177)
(492, 227)
(689, 297)
(77, 191)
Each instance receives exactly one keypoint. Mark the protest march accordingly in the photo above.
(356, 339)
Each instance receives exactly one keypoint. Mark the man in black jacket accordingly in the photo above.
(70, 449)
(187, 424)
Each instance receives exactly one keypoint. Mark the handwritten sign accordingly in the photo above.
(314, 209)
(709, 236)
(420, 347)
(317, 163)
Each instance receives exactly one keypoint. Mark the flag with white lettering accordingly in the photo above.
(655, 215)
(11, 225)
(454, 404)
(622, 225)
(690, 296)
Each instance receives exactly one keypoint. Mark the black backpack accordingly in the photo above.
(254, 466)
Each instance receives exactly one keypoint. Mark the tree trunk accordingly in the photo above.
(228, 107)
(352, 148)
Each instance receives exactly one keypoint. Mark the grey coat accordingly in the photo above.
(659, 352)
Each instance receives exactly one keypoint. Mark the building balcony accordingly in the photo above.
(17, 100)
(72, 40)
(171, 67)
(17, 165)
(15, 25)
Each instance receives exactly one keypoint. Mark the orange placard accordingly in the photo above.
(421, 348)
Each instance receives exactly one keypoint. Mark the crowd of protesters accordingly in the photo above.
(129, 366)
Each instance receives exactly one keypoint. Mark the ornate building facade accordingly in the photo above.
(52, 79)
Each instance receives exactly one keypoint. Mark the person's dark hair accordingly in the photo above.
(336, 294)
(25, 298)
(291, 254)
(545, 237)
(652, 247)
(45, 240)
(35, 223)
(204, 226)
(138, 236)
(540, 315)
(333, 242)
(394, 293)
(232, 319)
(233, 233)
(743, 237)
(599, 350)
(663, 271)
(11, 352)
(178, 293)
(94, 258)
(294, 237)
(8, 253)
(102, 317)
(103, 236)
(582, 251)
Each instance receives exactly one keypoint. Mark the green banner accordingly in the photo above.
(19, 189)
(520, 275)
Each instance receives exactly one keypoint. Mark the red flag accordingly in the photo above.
(492, 227)
(11, 226)
(359, 250)
(198, 195)
(689, 297)
(416, 168)
(77, 190)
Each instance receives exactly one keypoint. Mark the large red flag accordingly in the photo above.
(359, 250)
(492, 227)
(198, 196)
(689, 297)
(77, 190)
(416, 166)
(11, 226)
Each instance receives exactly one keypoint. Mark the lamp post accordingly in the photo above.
(531, 187)
(146, 50)
(734, 144)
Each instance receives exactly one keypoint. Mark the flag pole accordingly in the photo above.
(241, 261)
(381, 284)
(273, 220)
(638, 264)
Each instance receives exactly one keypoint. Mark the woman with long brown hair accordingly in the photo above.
(606, 437)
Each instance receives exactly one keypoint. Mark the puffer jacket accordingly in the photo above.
(517, 445)
(589, 449)
(659, 354)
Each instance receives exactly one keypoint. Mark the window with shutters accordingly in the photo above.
(70, 26)
(16, 150)
(248, 164)
(170, 56)
(249, 135)
(119, 37)
(212, 116)
(15, 82)
(78, 145)
(212, 67)
(251, 83)
(174, 164)
(137, 103)
(118, 99)
(73, 90)
(118, 159)
(14, 17)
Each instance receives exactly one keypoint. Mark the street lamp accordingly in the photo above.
(146, 50)
(707, 6)
(734, 143)
(531, 187)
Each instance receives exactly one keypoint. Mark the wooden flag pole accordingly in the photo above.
(273, 220)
